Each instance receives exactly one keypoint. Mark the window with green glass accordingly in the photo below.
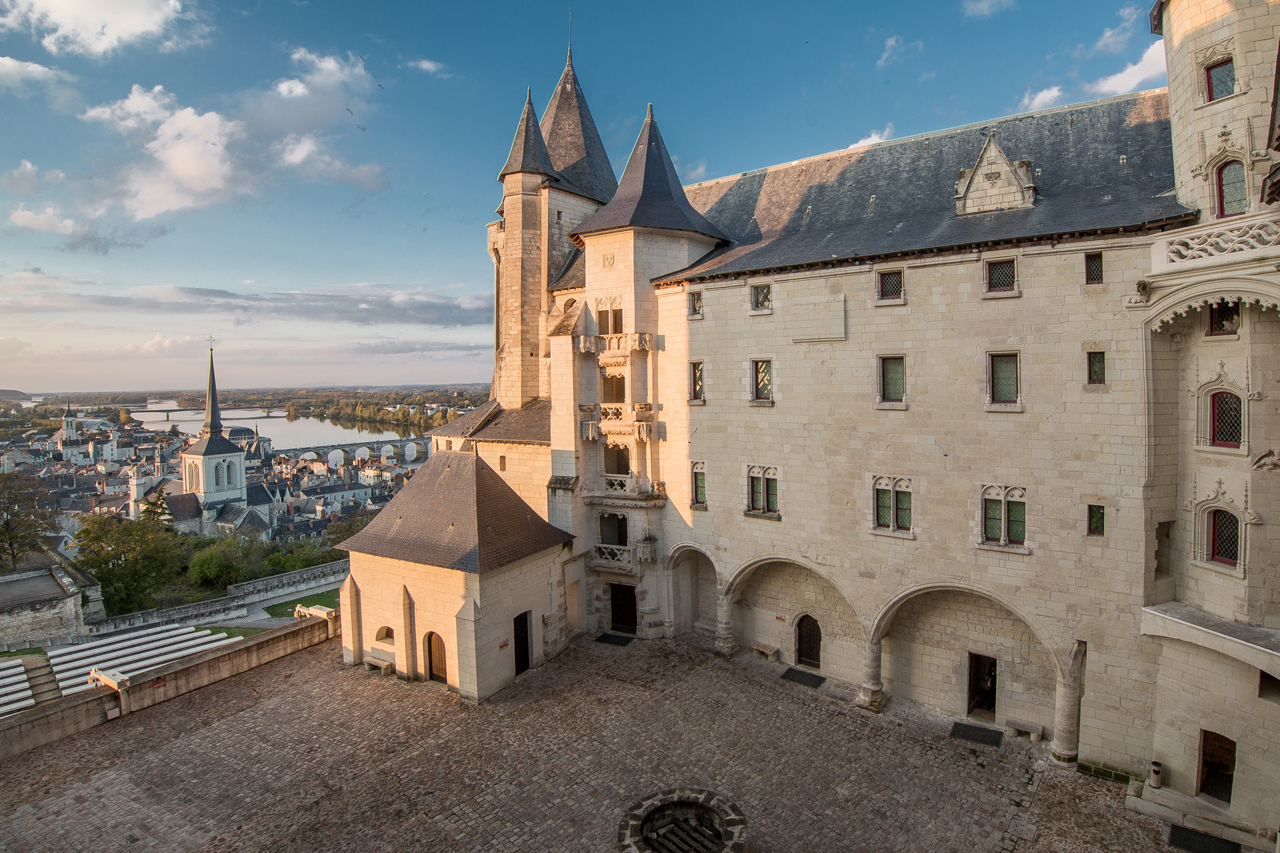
(1004, 378)
(757, 494)
(1097, 520)
(884, 508)
(699, 487)
(993, 520)
(1097, 368)
(902, 510)
(696, 390)
(892, 379)
(1017, 526)
(771, 494)
(1233, 198)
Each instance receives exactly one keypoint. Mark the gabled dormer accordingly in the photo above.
(995, 183)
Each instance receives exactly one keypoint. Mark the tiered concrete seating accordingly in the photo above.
(129, 654)
(15, 692)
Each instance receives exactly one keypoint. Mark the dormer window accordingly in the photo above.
(1220, 79)
(1232, 198)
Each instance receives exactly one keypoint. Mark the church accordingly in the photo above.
(982, 419)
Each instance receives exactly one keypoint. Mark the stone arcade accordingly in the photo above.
(981, 418)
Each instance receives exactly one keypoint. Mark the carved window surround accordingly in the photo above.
(1219, 498)
(1204, 392)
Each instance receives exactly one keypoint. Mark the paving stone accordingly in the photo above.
(304, 754)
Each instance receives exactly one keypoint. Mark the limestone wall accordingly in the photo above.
(526, 468)
(926, 657)
(534, 584)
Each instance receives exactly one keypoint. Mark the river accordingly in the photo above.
(303, 432)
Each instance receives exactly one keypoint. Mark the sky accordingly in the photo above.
(308, 181)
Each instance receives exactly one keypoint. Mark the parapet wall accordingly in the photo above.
(52, 721)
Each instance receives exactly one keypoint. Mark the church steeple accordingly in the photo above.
(573, 142)
(212, 417)
(650, 195)
(529, 150)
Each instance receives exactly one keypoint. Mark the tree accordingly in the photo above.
(25, 515)
(153, 509)
(124, 416)
(130, 559)
(341, 531)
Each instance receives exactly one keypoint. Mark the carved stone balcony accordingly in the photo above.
(612, 557)
(619, 484)
(618, 420)
(613, 344)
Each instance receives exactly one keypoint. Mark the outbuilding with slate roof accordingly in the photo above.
(456, 580)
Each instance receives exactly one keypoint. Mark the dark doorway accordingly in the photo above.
(1217, 765)
(623, 604)
(520, 627)
(808, 642)
(982, 687)
(436, 669)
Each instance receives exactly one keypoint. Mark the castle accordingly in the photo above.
(982, 418)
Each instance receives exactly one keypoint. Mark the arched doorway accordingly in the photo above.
(433, 652)
(693, 591)
(808, 642)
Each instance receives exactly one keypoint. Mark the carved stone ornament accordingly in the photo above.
(607, 259)
(1183, 309)
(1267, 462)
(1214, 53)
(1226, 241)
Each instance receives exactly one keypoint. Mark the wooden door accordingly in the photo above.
(436, 668)
(623, 604)
(808, 642)
(520, 628)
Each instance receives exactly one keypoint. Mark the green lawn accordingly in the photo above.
(21, 652)
(324, 599)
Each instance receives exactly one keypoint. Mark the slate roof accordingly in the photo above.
(529, 424)
(183, 507)
(573, 142)
(573, 275)
(256, 495)
(898, 196)
(568, 322)
(456, 512)
(212, 445)
(650, 194)
(528, 150)
(212, 417)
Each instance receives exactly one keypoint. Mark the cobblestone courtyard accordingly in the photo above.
(304, 754)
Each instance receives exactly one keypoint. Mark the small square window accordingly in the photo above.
(1224, 318)
(1268, 686)
(1097, 368)
(762, 380)
(1220, 80)
(1004, 378)
(761, 297)
(890, 285)
(696, 389)
(695, 302)
(892, 379)
(1093, 268)
(1097, 520)
(1002, 277)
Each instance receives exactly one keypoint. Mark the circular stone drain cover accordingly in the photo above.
(683, 820)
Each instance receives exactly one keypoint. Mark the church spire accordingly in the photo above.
(528, 151)
(573, 142)
(212, 417)
(650, 195)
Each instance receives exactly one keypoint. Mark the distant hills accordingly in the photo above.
(10, 394)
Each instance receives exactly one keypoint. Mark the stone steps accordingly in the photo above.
(44, 684)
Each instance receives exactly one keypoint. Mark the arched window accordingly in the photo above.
(1226, 417)
(808, 642)
(231, 474)
(569, 303)
(1224, 537)
(217, 476)
(385, 634)
(1232, 199)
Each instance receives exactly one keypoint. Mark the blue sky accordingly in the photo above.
(309, 181)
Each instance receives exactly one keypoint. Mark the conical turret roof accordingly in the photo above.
(650, 194)
(528, 151)
(573, 141)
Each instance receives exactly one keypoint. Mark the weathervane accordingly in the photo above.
(211, 343)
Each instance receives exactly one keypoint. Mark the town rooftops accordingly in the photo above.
(1098, 166)
(529, 424)
(457, 513)
(212, 445)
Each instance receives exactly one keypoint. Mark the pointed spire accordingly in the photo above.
(67, 413)
(212, 417)
(528, 151)
(573, 141)
(650, 194)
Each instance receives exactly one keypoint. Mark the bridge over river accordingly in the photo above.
(410, 450)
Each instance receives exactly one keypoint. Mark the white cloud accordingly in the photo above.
(189, 165)
(875, 136)
(291, 89)
(1116, 39)
(50, 221)
(305, 154)
(895, 48)
(97, 27)
(19, 77)
(1041, 100)
(1147, 69)
(427, 65)
(983, 8)
(329, 71)
(13, 347)
(24, 180)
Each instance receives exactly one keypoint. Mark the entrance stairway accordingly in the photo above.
(44, 684)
